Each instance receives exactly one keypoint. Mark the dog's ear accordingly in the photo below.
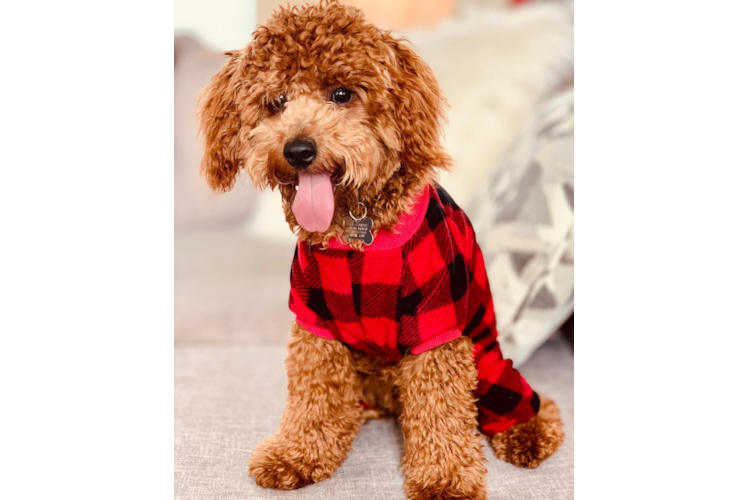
(420, 109)
(220, 123)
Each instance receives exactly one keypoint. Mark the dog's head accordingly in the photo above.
(329, 109)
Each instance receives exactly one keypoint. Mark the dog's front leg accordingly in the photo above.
(443, 453)
(321, 418)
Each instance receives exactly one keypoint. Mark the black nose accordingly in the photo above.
(300, 153)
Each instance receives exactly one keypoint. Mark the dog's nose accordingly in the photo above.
(300, 153)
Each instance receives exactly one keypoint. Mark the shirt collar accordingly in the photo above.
(405, 228)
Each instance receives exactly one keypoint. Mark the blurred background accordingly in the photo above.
(656, 310)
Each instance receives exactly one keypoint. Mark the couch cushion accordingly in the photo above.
(228, 399)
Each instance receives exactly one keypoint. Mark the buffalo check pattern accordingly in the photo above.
(397, 300)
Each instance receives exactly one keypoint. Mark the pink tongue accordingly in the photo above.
(314, 203)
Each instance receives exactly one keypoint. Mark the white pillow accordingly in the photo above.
(524, 221)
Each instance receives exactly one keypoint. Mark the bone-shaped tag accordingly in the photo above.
(359, 230)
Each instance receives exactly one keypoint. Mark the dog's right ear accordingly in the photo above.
(220, 123)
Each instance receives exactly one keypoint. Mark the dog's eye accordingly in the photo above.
(278, 104)
(341, 95)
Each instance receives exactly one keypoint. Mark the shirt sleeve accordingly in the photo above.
(298, 299)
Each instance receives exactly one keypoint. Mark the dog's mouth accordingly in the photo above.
(314, 203)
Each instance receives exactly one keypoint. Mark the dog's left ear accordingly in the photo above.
(220, 124)
(420, 109)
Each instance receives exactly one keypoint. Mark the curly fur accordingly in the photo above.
(443, 452)
(381, 149)
(322, 416)
(529, 443)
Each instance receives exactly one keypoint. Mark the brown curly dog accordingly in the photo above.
(394, 318)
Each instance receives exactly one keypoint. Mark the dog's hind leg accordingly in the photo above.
(443, 451)
(321, 419)
(529, 443)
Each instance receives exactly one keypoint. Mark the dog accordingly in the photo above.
(393, 308)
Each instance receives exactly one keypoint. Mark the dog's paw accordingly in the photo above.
(280, 465)
(528, 444)
(440, 493)
(446, 478)
(446, 489)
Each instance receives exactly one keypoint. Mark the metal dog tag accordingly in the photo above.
(359, 229)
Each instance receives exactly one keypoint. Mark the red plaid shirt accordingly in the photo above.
(413, 289)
